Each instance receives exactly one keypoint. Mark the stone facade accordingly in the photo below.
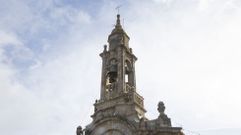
(120, 109)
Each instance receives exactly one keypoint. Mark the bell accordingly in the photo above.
(113, 68)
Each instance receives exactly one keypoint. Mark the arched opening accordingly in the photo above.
(111, 76)
(128, 76)
(128, 70)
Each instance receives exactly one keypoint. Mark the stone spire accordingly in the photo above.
(118, 27)
(118, 24)
(118, 36)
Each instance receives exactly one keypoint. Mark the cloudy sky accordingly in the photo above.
(188, 56)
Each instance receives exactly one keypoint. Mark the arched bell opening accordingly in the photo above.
(111, 76)
(128, 75)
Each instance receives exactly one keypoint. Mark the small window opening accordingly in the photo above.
(126, 78)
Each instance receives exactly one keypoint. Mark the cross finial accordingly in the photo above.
(118, 9)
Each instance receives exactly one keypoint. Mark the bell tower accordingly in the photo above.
(118, 65)
(120, 109)
(118, 84)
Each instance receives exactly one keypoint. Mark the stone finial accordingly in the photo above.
(131, 50)
(118, 19)
(118, 23)
(105, 48)
(79, 130)
(163, 120)
(161, 107)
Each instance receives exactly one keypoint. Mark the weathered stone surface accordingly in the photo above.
(120, 109)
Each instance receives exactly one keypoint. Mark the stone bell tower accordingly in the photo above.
(118, 84)
(118, 72)
(120, 109)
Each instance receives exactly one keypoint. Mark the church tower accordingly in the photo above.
(120, 109)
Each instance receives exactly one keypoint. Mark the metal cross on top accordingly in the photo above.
(118, 8)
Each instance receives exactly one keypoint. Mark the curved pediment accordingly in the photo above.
(112, 126)
(113, 132)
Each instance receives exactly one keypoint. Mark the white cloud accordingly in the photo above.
(191, 54)
(188, 54)
(8, 39)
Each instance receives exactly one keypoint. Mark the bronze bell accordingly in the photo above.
(113, 68)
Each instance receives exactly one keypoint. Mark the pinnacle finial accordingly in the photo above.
(118, 20)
